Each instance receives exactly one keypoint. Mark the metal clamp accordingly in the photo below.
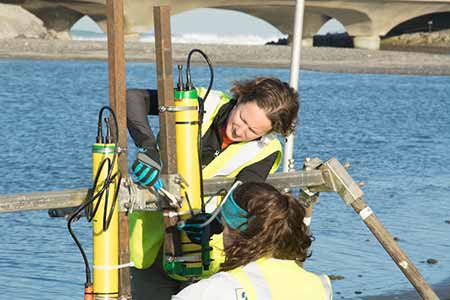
(308, 198)
(311, 163)
(122, 149)
(191, 259)
(134, 197)
(168, 108)
(179, 179)
(341, 182)
(125, 195)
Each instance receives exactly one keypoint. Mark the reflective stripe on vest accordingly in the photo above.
(213, 103)
(240, 155)
(327, 286)
(272, 279)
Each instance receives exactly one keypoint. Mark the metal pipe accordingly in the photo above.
(70, 198)
(288, 161)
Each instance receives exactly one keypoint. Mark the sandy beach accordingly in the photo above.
(267, 56)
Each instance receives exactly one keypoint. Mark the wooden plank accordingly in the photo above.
(164, 65)
(42, 200)
(116, 74)
(117, 90)
(163, 52)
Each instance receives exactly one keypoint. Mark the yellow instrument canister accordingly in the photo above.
(105, 240)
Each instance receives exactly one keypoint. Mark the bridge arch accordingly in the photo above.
(89, 23)
(422, 23)
(332, 22)
(59, 19)
(223, 20)
(265, 13)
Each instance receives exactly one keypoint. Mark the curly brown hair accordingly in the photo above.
(275, 227)
(275, 97)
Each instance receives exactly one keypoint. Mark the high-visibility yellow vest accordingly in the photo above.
(275, 279)
(236, 156)
(146, 229)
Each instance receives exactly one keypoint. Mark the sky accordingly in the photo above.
(219, 22)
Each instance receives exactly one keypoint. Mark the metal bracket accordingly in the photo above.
(134, 197)
(164, 108)
(122, 149)
(307, 197)
(191, 259)
(311, 163)
(338, 180)
(125, 194)
(316, 177)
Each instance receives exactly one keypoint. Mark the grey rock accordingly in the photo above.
(336, 277)
(17, 22)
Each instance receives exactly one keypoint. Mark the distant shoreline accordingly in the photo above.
(343, 60)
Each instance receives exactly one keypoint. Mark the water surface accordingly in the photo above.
(394, 130)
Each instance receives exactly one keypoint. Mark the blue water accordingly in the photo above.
(394, 130)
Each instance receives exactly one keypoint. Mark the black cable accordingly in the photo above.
(189, 202)
(77, 242)
(189, 86)
(109, 176)
(222, 192)
(92, 212)
(113, 205)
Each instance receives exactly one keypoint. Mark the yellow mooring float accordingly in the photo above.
(102, 209)
(191, 236)
(105, 222)
(187, 262)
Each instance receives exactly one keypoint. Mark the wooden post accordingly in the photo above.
(116, 74)
(116, 71)
(164, 66)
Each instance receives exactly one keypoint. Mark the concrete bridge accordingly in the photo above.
(365, 20)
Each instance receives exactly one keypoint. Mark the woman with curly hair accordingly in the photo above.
(239, 140)
(265, 241)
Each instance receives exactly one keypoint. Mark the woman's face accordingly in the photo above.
(247, 122)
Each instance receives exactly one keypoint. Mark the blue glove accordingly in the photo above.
(158, 184)
(147, 170)
(197, 231)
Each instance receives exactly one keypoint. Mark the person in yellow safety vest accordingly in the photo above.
(239, 140)
(265, 240)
